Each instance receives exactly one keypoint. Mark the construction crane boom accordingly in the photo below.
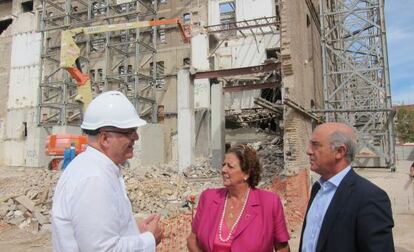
(69, 60)
(70, 52)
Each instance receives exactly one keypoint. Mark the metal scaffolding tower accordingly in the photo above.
(122, 60)
(355, 74)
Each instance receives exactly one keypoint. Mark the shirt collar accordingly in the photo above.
(105, 159)
(336, 180)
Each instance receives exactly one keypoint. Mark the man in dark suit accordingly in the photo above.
(346, 212)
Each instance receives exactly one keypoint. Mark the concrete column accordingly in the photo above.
(217, 125)
(199, 60)
(185, 123)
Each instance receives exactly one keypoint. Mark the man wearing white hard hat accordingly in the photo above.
(91, 210)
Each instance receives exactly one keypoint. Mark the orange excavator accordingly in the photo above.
(69, 60)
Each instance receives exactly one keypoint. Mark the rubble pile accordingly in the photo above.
(270, 153)
(253, 118)
(163, 190)
(203, 169)
(26, 200)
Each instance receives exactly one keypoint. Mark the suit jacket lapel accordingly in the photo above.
(342, 194)
(250, 212)
(315, 188)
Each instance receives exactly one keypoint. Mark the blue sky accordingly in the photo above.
(399, 17)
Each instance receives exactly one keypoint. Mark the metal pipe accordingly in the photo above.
(390, 123)
(324, 58)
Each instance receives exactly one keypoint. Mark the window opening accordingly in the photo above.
(186, 61)
(92, 75)
(161, 32)
(228, 16)
(272, 53)
(4, 24)
(186, 18)
(100, 75)
(24, 129)
(159, 77)
(27, 6)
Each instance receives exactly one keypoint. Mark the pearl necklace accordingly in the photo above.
(235, 223)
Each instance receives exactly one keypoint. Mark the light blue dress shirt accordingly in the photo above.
(318, 209)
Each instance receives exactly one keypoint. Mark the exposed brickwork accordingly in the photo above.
(296, 138)
(294, 191)
(300, 49)
(176, 231)
(302, 83)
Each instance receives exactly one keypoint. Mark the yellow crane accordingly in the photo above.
(69, 60)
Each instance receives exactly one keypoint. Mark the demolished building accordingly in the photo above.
(246, 76)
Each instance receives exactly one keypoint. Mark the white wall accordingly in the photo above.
(199, 52)
(199, 60)
(244, 51)
(25, 60)
(20, 150)
(22, 91)
(249, 53)
(250, 9)
(25, 63)
(244, 9)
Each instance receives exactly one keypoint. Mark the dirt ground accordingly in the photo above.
(398, 185)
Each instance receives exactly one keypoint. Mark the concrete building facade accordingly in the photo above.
(273, 53)
(22, 141)
(293, 40)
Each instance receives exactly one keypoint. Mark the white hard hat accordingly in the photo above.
(111, 108)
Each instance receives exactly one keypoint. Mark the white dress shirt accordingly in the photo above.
(317, 210)
(91, 210)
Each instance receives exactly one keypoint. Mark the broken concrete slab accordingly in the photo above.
(26, 202)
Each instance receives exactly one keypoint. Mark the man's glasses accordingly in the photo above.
(128, 133)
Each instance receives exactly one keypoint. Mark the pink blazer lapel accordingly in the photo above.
(215, 210)
(250, 212)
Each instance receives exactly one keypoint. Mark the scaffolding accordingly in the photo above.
(356, 76)
(122, 60)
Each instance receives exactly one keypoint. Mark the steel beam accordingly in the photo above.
(244, 25)
(252, 87)
(238, 71)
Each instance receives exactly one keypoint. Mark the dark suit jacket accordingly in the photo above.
(359, 218)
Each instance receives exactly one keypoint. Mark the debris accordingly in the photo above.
(154, 189)
(26, 202)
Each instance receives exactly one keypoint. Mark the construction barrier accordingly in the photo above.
(177, 229)
(404, 152)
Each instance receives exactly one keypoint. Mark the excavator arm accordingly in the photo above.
(69, 60)
(70, 52)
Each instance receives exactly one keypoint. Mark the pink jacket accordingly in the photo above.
(261, 226)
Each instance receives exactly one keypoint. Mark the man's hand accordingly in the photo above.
(151, 224)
